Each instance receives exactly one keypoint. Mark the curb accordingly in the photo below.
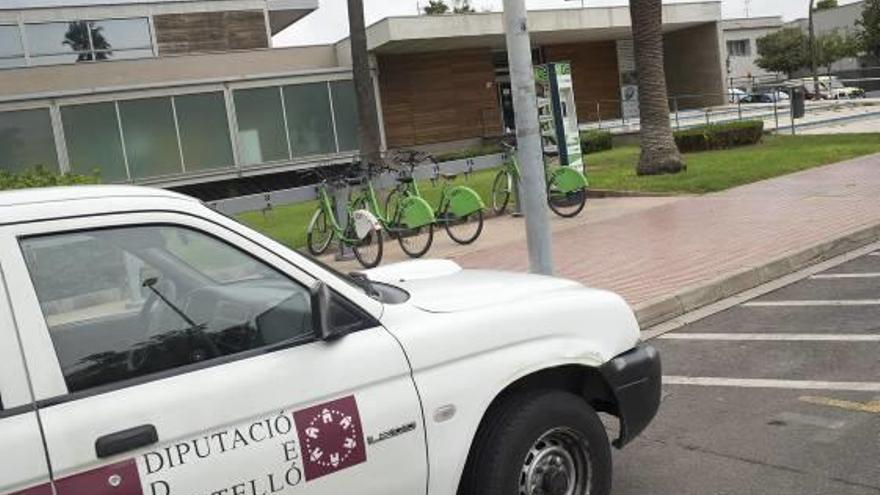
(665, 308)
(612, 193)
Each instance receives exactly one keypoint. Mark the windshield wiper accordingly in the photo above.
(361, 280)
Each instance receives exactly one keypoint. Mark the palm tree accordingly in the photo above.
(368, 115)
(659, 153)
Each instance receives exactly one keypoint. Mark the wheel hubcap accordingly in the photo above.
(557, 464)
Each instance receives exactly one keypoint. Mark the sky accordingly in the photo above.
(329, 23)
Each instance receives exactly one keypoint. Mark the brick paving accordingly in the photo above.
(645, 248)
(657, 251)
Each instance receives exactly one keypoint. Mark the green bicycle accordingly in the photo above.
(363, 232)
(410, 220)
(566, 187)
(460, 209)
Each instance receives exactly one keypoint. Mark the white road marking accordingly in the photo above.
(796, 337)
(875, 253)
(707, 381)
(845, 275)
(831, 302)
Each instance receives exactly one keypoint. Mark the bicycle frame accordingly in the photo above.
(362, 222)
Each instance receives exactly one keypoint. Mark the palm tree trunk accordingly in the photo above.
(368, 116)
(659, 153)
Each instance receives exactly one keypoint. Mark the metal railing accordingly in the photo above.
(772, 105)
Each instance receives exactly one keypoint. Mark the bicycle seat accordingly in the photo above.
(354, 181)
(405, 180)
(448, 176)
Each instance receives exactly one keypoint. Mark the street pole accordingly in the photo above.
(813, 71)
(528, 138)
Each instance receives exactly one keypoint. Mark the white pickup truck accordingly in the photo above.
(152, 346)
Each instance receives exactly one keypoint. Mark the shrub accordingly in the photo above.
(595, 140)
(40, 177)
(720, 136)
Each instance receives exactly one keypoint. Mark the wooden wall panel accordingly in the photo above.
(210, 32)
(438, 97)
(595, 76)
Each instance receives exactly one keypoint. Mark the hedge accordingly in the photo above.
(40, 177)
(720, 136)
(595, 140)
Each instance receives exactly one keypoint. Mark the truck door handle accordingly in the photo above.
(126, 440)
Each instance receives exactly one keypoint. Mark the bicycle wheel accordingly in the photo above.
(416, 242)
(566, 205)
(368, 250)
(501, 192)
(392, 204)
(466, 229)
(320, 233)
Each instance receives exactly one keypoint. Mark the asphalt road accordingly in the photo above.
(779, 395)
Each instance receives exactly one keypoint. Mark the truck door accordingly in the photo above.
(23, 469)
(182, 360)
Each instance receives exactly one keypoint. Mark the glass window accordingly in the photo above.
(121, 34)
(59, 42)
(204, 131)
(261, 136)
(27, 141)
(127, 302)
(739, 48)
(93, 142)
(11, 51)
(84, 41)
(345, 111)
(150, 137)
(308, 119)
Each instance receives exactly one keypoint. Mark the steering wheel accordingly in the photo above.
(153, 326)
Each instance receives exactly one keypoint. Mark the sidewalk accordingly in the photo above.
(669, 255)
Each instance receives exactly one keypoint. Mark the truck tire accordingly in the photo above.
(547, 442)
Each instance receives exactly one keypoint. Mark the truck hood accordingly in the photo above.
(442, 286)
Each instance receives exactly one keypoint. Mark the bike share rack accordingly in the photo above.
(269, 200)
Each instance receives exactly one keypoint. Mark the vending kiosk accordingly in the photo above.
(557, 114)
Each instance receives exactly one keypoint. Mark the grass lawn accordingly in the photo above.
(615, 169)
(711, 171)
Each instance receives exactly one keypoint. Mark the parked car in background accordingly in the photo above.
(830, 88)
(769, 96)
(737, 95)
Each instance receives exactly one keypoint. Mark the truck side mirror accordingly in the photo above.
(320, 304)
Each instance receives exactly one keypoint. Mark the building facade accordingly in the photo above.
(183, 92)
(741, 47)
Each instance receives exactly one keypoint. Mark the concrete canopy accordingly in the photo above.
(282, 13)
(426, 33)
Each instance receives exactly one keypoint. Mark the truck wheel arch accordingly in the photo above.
(584, 381)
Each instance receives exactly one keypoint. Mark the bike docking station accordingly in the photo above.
(561, 148)
(557, 114)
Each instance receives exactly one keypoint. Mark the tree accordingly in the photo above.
(659, 154)
(868, 26)
(463, 7)
(826, 4)
(368, 115)
(783, 51)
(834, 46)
(436, 7)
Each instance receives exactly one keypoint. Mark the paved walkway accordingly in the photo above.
(648, 248)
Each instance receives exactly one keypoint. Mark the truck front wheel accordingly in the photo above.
(547, 442)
